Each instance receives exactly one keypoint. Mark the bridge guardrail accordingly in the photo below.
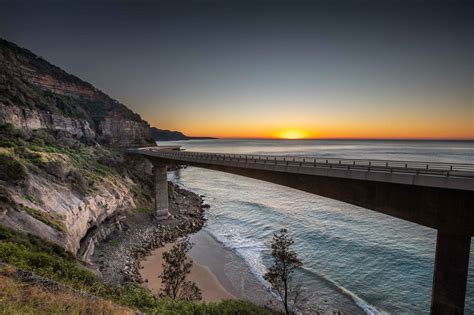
(412, 167)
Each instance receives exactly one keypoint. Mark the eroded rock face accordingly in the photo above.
(98, 234)
(75, 212)
(30, 119)
(52, 84)
(124, 133)
(35, 94)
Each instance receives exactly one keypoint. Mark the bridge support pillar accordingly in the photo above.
(450, 273)
(161, 191)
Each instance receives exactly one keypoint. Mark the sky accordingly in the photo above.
(264, 69)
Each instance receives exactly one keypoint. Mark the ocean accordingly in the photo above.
(381, 264)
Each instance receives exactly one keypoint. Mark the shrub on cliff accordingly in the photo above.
(11, 169)
(77, 181)
(10, 131)
(45, 217)
(57, 154)
(176, 266)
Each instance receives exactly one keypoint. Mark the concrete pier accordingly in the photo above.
(161, 191)
(450, 273)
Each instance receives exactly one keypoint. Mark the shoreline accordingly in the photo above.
(117, 259)
(220, 273)
(245, 272)
(230, 269)
(134, 254)
(211, 288)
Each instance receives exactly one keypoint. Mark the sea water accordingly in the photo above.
(383, 264)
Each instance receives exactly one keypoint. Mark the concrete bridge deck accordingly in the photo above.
(437, 195)
(433, 174)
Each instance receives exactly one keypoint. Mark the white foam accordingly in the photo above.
(251, 251)
(366, 307)
(248, 249)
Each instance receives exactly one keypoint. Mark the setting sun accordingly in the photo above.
(292, 134)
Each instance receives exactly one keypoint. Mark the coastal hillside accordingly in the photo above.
(35, 94)
(61, 176)
(76, 213)
(169, 135)
(61, 189)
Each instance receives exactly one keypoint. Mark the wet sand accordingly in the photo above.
(217, 271)
(212, 290)
(231, 270)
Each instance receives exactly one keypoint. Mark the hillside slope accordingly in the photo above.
(35, 94)
(61, 175)
(169, 135)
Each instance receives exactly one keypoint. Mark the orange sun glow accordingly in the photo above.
(292, 134)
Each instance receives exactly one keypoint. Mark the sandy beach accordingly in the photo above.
(217, 271)
(212, 290)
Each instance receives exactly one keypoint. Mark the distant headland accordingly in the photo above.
(169, 135)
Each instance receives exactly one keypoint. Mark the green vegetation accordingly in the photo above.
(49, 260)
(30, 253)
(45, 217)
(57, 155)
(29, 198)
(140, 194)
(11, 169)
(143, 210)
(25, 299)
(228, 307)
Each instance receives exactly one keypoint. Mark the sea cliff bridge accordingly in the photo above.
(436, 195)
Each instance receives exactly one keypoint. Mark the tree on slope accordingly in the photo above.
(176, 266)
(279, 275)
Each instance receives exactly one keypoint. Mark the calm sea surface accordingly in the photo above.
(382, 264)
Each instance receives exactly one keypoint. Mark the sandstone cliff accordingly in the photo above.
(61, 175)
(60, 189)
(35, 94)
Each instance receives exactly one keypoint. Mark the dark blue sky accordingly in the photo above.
(237, 68)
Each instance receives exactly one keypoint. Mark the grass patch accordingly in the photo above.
(47, 265)
(228, 307)
(40, 150)
(140, 193)
(143, 210)
(29, 198)
(45, 217)
(20, 298)
(49, 260)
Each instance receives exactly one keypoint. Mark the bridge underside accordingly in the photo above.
(449, 211)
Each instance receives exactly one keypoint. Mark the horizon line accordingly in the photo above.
(373, 139)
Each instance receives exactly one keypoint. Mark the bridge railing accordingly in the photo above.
(414, 167)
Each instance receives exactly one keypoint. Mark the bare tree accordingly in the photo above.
(176, 266)
(279, 275)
